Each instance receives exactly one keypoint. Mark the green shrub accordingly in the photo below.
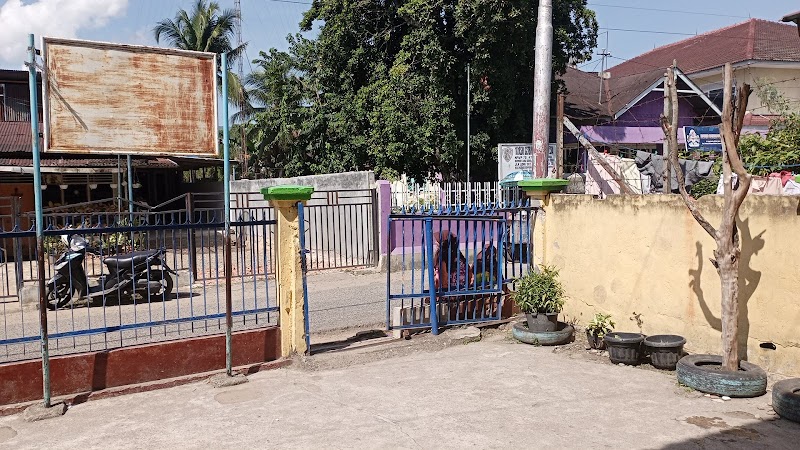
(540, 292)
(600, 325)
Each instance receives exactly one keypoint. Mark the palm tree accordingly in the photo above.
(207, 29)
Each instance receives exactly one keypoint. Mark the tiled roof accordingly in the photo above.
(754, 39)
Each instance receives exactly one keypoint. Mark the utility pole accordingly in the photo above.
(543, 62)
(560, 137)
(468, 123)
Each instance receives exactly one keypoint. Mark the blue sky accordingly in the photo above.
(267, 22)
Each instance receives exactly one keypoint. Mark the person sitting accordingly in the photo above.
(451, 270)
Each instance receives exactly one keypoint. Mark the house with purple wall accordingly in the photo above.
(621, 115)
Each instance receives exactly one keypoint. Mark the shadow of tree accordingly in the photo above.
(748, 282)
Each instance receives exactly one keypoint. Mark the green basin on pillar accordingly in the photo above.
(288, 192)
(543, 185)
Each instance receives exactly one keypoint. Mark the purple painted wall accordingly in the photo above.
(647, 113)
(410, 233)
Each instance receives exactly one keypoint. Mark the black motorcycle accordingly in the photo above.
(143, 273)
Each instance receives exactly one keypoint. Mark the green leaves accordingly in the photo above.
(600, 325)
(383, 86)
(540, 292)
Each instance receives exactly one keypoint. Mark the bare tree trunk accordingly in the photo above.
(728, 251)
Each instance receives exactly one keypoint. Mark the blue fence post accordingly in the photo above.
(304, 268)
(431, 288)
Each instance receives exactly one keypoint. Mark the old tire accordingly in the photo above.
(699, 373)
(559, 337)
(786, 399)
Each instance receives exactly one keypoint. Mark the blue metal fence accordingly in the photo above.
(454, 265)
(195, 306)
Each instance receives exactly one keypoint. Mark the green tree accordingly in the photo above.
(207, 28)
(383, 86)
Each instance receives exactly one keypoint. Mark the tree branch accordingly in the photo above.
(690, 202)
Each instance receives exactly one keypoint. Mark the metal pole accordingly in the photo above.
(37, 198)
(226, 155)
(303, 267)
(543, 62)
(130, 188)
(468, 130)
(431, 275)
(130, 199)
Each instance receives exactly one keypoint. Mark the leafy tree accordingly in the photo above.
(207, 28)
(383, 86)
(762, 155)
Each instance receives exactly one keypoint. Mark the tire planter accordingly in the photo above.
(699, 373)
(786, 399)
(558, 337)
(625, 348)
(595, 342)
(665, 350)
(542, 321)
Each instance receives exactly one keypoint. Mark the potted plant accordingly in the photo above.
(600, 325)
(540, 296)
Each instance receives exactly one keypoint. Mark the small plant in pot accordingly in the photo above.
(540, 296)
(600, 325)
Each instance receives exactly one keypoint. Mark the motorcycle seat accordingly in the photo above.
(129, 259)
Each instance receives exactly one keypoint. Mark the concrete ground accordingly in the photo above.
(429, 392)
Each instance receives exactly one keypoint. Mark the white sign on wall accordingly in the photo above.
(515, 157)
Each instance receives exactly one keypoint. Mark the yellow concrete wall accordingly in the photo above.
(646, 254)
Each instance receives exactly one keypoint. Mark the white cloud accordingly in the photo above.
(55, 18)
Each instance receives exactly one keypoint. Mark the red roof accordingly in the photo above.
(755, 39)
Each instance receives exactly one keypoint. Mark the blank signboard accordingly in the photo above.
(124, 99)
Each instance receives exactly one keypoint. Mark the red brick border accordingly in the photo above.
(173, 362)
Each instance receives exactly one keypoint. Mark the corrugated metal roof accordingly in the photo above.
(15, 144)
(16, 137)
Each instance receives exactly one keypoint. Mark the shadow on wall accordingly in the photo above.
(748, 282)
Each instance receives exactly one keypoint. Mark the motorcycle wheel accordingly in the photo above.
(57, 295)
(167, 284)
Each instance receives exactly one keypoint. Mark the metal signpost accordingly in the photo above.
(37, 196)
(226, 156)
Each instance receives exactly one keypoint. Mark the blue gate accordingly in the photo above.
(453, 266)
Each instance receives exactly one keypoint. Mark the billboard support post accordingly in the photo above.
(226, 157)
(37, 198)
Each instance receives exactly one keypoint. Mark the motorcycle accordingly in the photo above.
(143, 273)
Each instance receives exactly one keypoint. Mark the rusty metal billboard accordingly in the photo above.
(125, 99)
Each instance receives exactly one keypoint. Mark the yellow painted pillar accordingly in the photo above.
(540, 189)
(289, 273)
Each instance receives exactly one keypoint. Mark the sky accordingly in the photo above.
(628, 27)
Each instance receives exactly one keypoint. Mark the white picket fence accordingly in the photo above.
(435, 194)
